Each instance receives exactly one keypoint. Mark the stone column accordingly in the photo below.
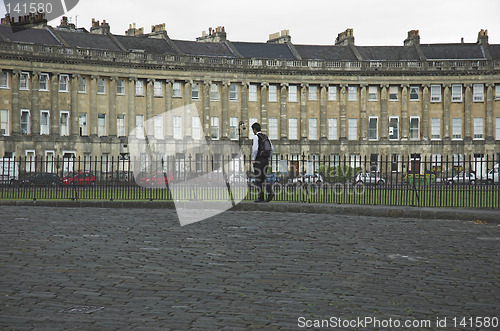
(16, 109)
(74, 125)
(343, 112)
(468, 112)
(54, 104)
(224, 130)
(323, 120)
(206, 108)
(244, 106)
(489, 112)
(283, 112)
(303, 111)
(425, 112)
(131, 104)
(35, 108)
(112, 107)
(404, 112)
(264, 96)
(363, 132)
(149, 120)
(446, 111)
(168, 129)
(384, 119)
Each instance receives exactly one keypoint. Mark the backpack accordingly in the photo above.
(265, 148)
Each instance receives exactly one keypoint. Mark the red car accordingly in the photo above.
(155, 180)
(79, 178)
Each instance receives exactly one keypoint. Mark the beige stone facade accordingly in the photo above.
(61, 97)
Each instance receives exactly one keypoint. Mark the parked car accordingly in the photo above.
(462, 178)
(369, 179)
(492, 176)
(42, 179)
(79, 178)
(160, 179)
(307, 179)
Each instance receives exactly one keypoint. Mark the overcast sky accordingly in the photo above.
(384, 22)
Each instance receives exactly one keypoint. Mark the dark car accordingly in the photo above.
(42, 179)
(79, 178)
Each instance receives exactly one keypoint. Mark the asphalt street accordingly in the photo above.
(123, 269)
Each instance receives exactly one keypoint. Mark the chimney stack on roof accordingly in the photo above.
(216, 35)
(103, 28)
(345, 38)
(482, 37)
(65, 24)
(277, 38)
(413, 38)
(133, 31)
(33, 20)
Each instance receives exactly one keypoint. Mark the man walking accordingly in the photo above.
(262, 150)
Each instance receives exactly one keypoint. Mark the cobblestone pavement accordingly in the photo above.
(122, 269)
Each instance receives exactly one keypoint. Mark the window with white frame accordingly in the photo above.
(49, 163)
(101, 86)
(393, 128)
(456, 93)
(82, 85)
(139, 88)
(101, 125)
(435, 93)
(497, 92)
(313, 129)
(352, 93)
(64, 123)
(4, 79)
(332, 129)
(4, 122)
(332, 93)
(436, 160)
(458, 160)
(233, 128)
(292, 93)
(456, 128)
(414, 93)
(158, 127)
(372, 128)
(195, 91)
(24, 81)
(82, 123)
(273, 128)
(158, 89)
(233, 92)
(355, 160)
(63, 83)
(139, 126)
(196, 127)
(393, 93)
(435, 128)
(372, 93)
(214, 92)
(177, 90)
(44, 122)
(25, 121)
(478, 92)
(43, 82)
(120, 87)
(334, 160)
(214, 127)
(313, 93)
(30, 161)
(251, 121)
(273, 93)
(414, 128)
(120, 125)
(353, 129)
(292, 129)
(478, 128)
(497, 128)
(252, 92)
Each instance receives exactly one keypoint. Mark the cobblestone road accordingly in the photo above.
(122, 269)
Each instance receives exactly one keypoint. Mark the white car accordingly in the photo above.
(369, 178)
(307, 179)
(463, 178)
(492, 176)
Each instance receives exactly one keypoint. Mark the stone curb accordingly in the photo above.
(485, 215)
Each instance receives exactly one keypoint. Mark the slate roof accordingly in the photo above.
(332, 53)
(203, 49)
(494, 51)
(150, 45)
(388, 53)
(33, 36)
(264, 50)
(87, 40)
(452, 51)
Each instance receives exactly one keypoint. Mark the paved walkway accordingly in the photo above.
(121, 269)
